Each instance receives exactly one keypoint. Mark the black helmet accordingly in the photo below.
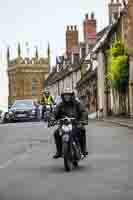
(46, 92)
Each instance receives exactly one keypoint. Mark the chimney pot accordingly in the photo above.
(86, 16)
(71, 27)
(92, 15)
(75, 27)
(67, 28)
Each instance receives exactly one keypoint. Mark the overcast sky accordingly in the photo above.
(40, 21)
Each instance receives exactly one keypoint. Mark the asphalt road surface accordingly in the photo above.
(28, 172)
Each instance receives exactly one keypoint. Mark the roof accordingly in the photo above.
(104, 39)
(50, 78)
(107, 31)
(57, 76)
(87, 76)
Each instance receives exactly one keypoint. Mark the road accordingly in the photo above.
(28, 172)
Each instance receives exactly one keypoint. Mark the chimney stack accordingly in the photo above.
(90, 28)
(114, 10)
(72, 38)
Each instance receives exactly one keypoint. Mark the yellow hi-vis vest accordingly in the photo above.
(48, 100)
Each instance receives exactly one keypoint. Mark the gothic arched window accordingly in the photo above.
(34, 87)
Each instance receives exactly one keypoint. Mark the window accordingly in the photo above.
(34, 87)
(83, 52)
(76, 58)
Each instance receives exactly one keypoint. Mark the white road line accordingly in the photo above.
(9, 162)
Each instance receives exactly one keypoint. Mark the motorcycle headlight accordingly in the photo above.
(10, 113)
(67, 128)
(33, 111)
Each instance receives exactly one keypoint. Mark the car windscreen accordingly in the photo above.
(23, 104)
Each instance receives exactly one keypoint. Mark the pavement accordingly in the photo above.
(28, 172)
(125, 122)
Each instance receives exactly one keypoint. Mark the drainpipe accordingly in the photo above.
(96, 93)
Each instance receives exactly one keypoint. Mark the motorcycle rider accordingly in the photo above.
(70, 107)
(46, 99)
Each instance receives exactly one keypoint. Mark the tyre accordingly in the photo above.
(67, 158)
(6, 118)
(77, 152)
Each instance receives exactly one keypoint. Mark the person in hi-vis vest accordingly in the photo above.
(46, 99)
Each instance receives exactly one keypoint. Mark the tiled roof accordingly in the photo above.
(104, 39)
(89, 75)
(105, 33)
(102, 32)
(56, 76)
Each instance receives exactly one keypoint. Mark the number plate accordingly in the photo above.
(21, 115)
(60, 133)
(65, 138)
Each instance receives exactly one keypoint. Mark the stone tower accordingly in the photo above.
(72, 38)
(114, 10)
(26, 76)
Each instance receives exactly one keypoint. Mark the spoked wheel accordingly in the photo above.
(67, 158)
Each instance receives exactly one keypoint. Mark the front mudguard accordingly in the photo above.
(67, 141)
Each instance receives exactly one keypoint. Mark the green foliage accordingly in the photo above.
(117, 49)
(118, 65)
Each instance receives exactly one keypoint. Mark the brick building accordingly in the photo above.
(26, 76)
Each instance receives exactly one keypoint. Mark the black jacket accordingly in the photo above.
(73, 109)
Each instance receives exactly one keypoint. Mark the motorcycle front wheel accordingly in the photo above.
(68, 165)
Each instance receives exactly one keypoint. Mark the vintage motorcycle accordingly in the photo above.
(71, 150)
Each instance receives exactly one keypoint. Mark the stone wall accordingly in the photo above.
(22, 73)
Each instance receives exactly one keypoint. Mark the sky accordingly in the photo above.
(40, 21)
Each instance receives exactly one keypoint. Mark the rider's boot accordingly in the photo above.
(58, 154)
(83, 145)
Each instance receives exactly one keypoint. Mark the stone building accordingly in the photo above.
(67, 76)
(67, 72)
(26, 76)
(86, 87)
(120, 27)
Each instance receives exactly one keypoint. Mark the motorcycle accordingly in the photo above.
(47, 112)
(71, 150)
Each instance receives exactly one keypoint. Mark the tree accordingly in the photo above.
(119, 68)
(118, 72)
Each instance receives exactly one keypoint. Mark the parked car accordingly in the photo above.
(1, 115)
(23, 110)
